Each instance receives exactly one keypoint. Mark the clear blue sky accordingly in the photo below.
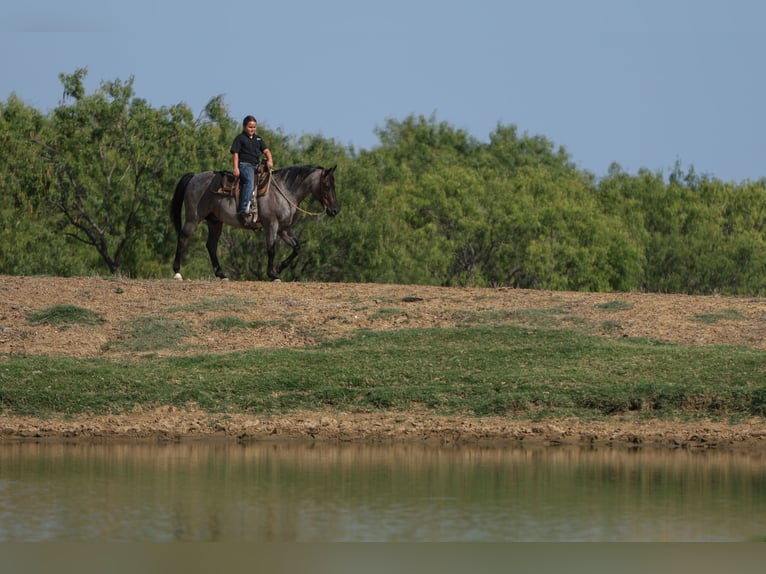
(641, 83)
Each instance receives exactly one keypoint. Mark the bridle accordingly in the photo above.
(291, 202)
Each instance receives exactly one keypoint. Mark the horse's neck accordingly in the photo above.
(298, 192)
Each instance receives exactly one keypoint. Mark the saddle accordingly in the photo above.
(226, 183)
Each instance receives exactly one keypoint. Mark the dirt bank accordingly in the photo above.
(298, 314)
(171, 424)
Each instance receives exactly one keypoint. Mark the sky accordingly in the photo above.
(646, 84)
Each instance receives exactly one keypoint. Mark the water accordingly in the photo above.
(288, 492)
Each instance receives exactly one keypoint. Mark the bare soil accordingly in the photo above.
(299, 314)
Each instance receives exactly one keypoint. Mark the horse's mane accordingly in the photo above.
(295, 174)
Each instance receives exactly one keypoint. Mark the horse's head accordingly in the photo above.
(326, 192)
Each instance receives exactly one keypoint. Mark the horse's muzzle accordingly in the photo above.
(331, 211)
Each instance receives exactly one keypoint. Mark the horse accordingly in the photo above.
(277, 211)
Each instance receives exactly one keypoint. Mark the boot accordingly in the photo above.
(248, 220)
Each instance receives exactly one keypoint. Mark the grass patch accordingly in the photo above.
(228, 323)
(540, 317)
(725, 315)
(615, 306)
(227, 303)
(150, 334)
(509, 370)
(387, 313)
(65, 315)
(233, 323)
(610, 327)
(544, 318)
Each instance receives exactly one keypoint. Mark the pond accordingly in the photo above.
(327, 492)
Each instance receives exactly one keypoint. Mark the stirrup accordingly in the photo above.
(248, 220)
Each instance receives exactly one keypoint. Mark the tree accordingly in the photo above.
(111, 163)
(28, 244)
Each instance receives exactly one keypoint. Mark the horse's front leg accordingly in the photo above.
(214, 229)
(271, 251)
(291, 239)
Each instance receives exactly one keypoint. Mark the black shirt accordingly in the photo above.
(249, 149)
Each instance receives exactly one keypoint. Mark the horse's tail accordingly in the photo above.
(178, 201)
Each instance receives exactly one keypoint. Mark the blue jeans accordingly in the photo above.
(247, 178)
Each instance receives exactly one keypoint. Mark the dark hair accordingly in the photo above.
(247, 120)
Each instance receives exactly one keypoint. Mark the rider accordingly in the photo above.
(246, 152)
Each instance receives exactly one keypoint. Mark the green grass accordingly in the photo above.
(515, 371)
(615, 306)
(228, 323)
(553, 317)
(150, 334)
(387, 313)
(65, 315)
(725, 315)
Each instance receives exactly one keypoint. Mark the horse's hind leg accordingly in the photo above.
(214, 229)
(181, 245)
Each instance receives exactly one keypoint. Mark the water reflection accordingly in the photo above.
(326, 492)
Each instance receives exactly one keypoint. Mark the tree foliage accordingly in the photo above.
(86, 189)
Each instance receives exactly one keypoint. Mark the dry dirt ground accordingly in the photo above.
(298, 314)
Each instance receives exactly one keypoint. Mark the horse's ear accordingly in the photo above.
(331, 170)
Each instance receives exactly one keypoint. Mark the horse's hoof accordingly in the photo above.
(178, 277)
(277, 280)
(224, 278)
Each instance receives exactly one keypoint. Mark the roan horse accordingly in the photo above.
(277, 210)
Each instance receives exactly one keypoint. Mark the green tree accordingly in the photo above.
(425, 183)
(113, 161)
(28, 244)
(562, 239)
(514, 212)
(99, 171)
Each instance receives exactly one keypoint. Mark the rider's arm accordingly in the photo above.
(235, 161)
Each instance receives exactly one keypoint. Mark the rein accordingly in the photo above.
(288, 200)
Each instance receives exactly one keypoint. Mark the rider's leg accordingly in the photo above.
(247, 177)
